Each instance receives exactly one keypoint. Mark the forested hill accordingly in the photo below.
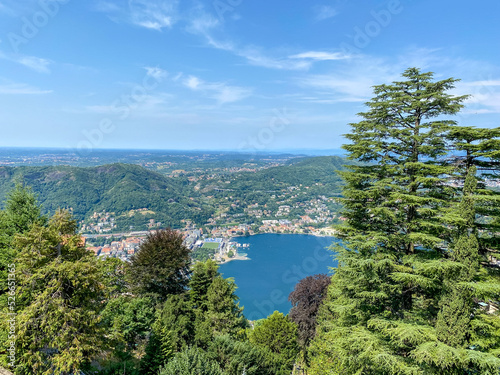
(120, 188)
(318, 173)
(114, 187)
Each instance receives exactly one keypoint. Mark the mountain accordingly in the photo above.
(114, 187)
(125, 189)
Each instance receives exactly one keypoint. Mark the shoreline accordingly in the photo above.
(236, 257)
(300, 234)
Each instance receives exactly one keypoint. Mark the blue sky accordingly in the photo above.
(228, 74)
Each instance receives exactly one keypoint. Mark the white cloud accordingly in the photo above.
(144, 105)
(21, 89)
(485, 83)
(206, 25)
(156, 73)
(320, 56)
(221, 92)
(324, 12)
(150, 14)
(37, 64)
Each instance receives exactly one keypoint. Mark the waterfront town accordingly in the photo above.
(212, 240)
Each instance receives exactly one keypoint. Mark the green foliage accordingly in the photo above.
(60, 294)
(202, 277)
(238, 357)
(404, 285)
(161, 266)
(172, 332)
(128, 319)
(192, 361)
(223, 316)
(113, 273)
(278, 335)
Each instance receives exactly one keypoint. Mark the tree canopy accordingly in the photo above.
(407, 240)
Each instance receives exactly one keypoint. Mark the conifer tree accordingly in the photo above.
(60, 295)
(402, 244)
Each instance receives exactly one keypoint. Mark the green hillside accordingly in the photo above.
(115, 187)
(120, 188)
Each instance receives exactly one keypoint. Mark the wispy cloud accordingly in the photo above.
(206, 25)
(324, 12)
(147, 104)
(21, 89)
(35, 63)
(150, 14)
(221, 92)
(156, 73)
(320, 56)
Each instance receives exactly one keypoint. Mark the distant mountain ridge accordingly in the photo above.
(112, 187)
(121, 188)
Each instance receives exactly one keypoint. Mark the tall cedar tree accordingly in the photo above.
(395, 262)
(161, 266)
(306, 299)
(21, 212)
(59, 296)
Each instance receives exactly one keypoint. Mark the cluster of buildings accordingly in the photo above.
(99, 222)
(123, 249)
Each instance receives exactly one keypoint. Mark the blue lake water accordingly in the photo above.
(278, 262)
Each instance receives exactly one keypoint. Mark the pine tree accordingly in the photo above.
(279, 336)
(60, 295)
(397, 261)
(20, 213)
(192, 361)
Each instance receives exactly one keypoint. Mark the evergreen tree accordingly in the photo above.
(241, 357)
(172, 332)
(400, 238)
(161, 266)
(202, 277)
(60, 295)
(223, 315)
(192, 361)
(20, 213)
(279, 335)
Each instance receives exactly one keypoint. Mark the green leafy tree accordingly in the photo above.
(161, 266)
(60, 295)
(278, 334)
(192, 361)
(237, 357)
(396, 261)
(128, 320)
(172, 332)
(113, 274)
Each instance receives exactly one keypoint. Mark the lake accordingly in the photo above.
(277, 262)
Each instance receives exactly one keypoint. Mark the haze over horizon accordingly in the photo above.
(228, 74)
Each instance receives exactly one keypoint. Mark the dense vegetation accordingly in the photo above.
(410, 295)
(120, 188)
(116, 187)
(414, 261)
(154, 315)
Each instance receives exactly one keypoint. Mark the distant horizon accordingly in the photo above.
(297, 151)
